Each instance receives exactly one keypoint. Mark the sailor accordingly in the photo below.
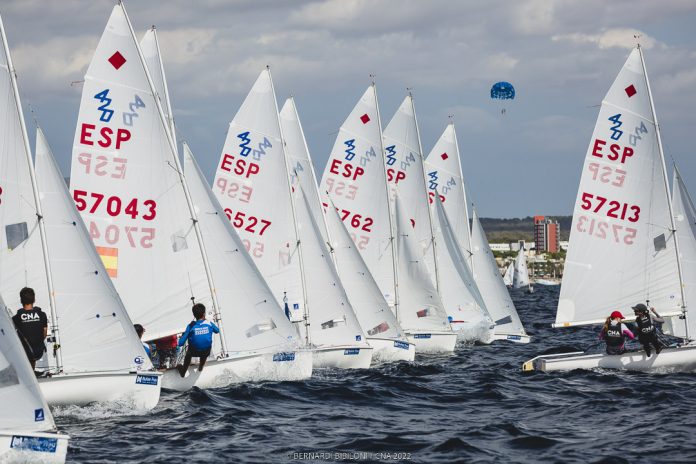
(140, 330)
(32, 326)
(614, 333)
(199, 334)
(166, 351)
(647, 334)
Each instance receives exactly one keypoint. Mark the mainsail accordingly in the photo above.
(622, 247)
(521, 276)
(126, 181)
(509, 274)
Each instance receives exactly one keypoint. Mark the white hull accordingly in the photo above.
(139, 389)
(679, 359)
(515, 338)
(471, 332)
(292, 365)
(391, 350)
(343, 357)
(30, 447)
(433, 342)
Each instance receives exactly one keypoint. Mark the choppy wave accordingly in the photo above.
(476, 406)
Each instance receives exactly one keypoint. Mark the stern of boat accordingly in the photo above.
(37, 447)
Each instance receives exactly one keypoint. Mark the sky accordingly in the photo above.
(561, 56)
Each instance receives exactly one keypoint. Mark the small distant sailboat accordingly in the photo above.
(509, 274)
(520, 278)
(27, 430)
(624, 243)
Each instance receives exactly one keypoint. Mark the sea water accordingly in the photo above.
(473, 406)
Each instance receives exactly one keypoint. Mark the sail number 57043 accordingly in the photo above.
(114, 206)
(610, 208)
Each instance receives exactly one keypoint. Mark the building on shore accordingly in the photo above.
(547, 235)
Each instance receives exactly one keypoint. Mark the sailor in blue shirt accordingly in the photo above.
(199, 334)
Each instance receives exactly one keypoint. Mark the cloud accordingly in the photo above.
(610, 38)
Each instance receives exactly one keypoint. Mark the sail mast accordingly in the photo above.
(37, 202)
(667, 193)
(177, 164)
(427, 197)
(392, 240)
(170, 116)
(292, 208)
(466, 202)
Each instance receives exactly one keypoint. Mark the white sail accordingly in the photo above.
(372, 310)
(444, 178)
(490, 283)
(251, 184)
(149, 45)
(299, 161)
(354, 179)
(685, 219)
(96, 332)
(509, 274)
(20, 241)
(331, 316)
(125, 182)
(421, 308)
(254, 320)
(521, 276)
(405, 173)
(622, 250)
(460, 295)
(23, 406)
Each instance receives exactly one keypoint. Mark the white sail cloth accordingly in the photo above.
(23, 406)
(521, 276)
(509, 274)
(490, 283)
(125, 182)
(685, 220)
(622, 249)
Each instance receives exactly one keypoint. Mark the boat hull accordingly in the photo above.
(514, 338)
(343, 357)
(139, 389)
(391, 350)
(472, 332)
(679, 359)
(39, 447)
(287, 366)
(433, 342)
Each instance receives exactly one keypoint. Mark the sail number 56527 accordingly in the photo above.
(610, 208)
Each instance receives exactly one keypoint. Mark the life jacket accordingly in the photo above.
(645, 325)
(613, 336)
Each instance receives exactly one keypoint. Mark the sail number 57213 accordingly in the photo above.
(610, 208)
(601, 229)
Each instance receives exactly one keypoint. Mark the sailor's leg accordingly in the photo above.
(187, 362)
(201, 363)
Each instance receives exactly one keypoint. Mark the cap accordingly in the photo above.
(616, 314)
(641, 308)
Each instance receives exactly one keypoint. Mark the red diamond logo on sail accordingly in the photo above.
(365, 118)
(117, 60)
(444, 156)
(630, 91)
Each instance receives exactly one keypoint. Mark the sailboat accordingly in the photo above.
(252, 183)
(355, 181)
(383, 332)
(509, 274)
(128, 182)
(27, 430)
(520, 278)
(446, 183)
(406, 174)
(94, 353)
(508, 325)
(623, 246)
(685, 221)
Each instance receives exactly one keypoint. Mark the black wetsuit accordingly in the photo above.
(30, 325)
(647, 335)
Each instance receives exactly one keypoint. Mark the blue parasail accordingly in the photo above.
(503, 91)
